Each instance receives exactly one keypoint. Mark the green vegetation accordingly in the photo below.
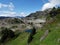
(20, 40)
(31, 35)
(53, 38)
(6, 34)
(36, 39)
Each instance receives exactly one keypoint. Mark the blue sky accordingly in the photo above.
(23, 7)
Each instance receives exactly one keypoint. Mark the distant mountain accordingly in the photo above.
(3, 17)
(19, 17)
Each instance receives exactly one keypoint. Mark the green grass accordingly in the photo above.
(20, 40)
(53, 36)
(36, 39)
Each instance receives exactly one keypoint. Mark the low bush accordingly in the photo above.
(31, 35)
(6, 33)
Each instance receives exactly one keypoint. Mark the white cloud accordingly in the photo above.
(51, 4)
(47, 5)
(9, 6)
(0, 5)
(7, 13)
(55, 2)
(12, 14)
(22, 14)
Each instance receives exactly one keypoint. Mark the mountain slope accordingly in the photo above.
(53, 37)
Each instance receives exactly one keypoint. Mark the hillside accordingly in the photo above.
(12, 23)
(39, 14)
(53, 37)
(49, 34)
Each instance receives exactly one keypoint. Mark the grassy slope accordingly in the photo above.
(20, 40)
(51, 39)
(36, 39)
(53, 36)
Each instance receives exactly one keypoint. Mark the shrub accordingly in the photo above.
(30, 38)
(11, 34)
(6, 33)
(33, 31)
(31, 35)
(4, 37)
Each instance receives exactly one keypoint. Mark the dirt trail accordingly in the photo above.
(45, 34)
